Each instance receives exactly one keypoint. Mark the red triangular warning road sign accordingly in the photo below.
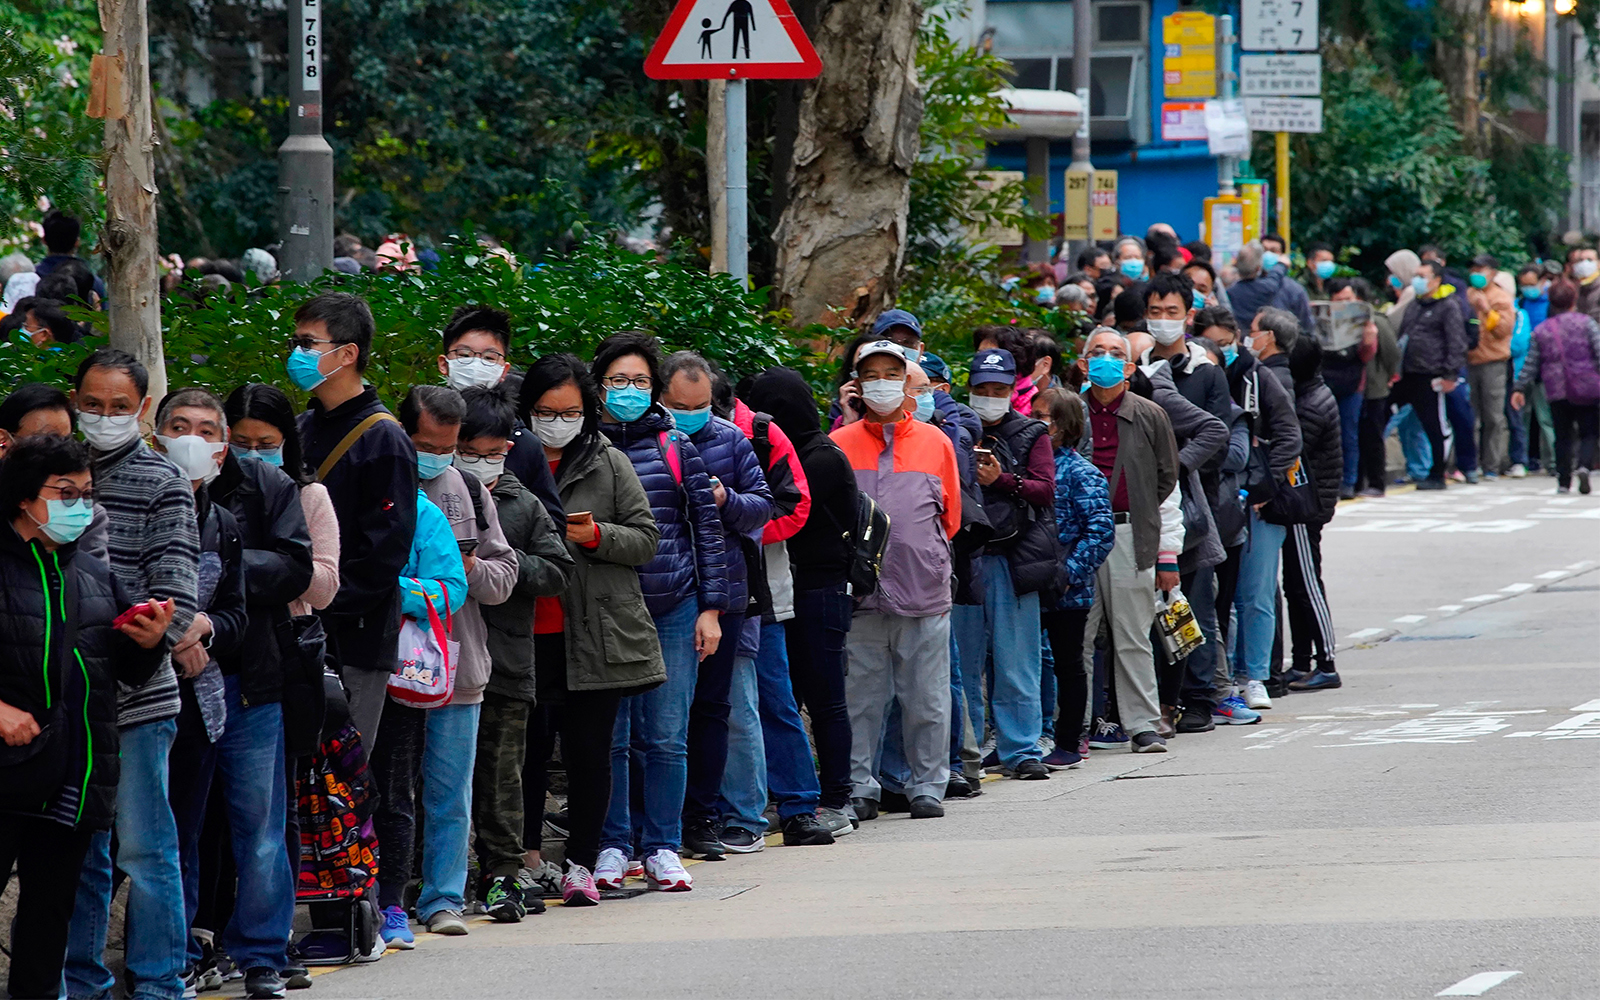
(732, 40)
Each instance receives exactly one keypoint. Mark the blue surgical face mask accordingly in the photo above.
(1419, 284)
(1531, 291)
(1199, 300)
(1230, 354)
(305, 368)
(628, 403)
(1325, 269)
(1133, 268)
(1045, 296)
(66, 520)
(431, 466)
(925, 407)
(1394, 280)
(1269, 260)
(271, 456)
(691, 421)
(1106, 371)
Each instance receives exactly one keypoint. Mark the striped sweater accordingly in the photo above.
(154, 550)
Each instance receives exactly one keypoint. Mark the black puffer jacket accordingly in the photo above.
(69, 602)
(1433, 336)
(1322, 449)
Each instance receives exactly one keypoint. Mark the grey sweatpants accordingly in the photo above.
(367, 690)
(893, 657)
(1487, 385)
(1125, 596)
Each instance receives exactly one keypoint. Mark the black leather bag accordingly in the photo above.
(303, 644)
(32, 774)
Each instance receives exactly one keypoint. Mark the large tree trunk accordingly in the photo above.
(1459, 54)
(130, 230)
(841, 238)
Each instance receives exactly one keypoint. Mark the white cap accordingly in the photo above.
(879, 347)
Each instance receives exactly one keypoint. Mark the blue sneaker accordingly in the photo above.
(1062, 758)
(397, 929)
(1234, 712)
(1108, 736)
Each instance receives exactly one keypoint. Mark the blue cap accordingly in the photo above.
(896, 317)
(993, 365)
(934, 366)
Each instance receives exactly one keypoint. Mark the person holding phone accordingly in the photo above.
(597, 641)
(59, 741)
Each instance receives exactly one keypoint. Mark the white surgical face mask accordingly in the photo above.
(1165, 331)
(990, 408)
(467, 373)
(1585, 268)
(194, 456)
(555, 432)
(884, 395)
(108, 433)
(486, 469)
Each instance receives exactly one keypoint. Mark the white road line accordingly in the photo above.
(1477, 985)
(1554, 574)
(1365, 633)
(1581, 565)
(1588, 706)
(1531, 732)
(1261, 734)
(1411, 619)
(1515, 588)
(1482, 597)
(1449, 607)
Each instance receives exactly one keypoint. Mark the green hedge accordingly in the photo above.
(568, 304)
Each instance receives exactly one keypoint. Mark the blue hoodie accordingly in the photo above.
(433, 566)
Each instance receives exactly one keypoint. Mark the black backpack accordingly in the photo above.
(868, 538)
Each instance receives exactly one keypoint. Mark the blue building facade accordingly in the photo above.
(1157, 181)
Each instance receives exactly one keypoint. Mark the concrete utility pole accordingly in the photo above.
(133, 288)
(1227, 90)
(1082, 49)
(305, 160)
(717, 171)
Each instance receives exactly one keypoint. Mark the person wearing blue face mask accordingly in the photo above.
(357, 449)
(1435, 336)
(686, 589)
(1320, 269)
(1129, 256)
(1135, 450)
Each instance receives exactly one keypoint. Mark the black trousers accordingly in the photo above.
(1065, 628)
(815, 640)
(708, 725)
(1374, 467)
(49, 858)
(1568, 417)
(585, 721)
(396, 771)
(1310, 619)
(1428, 404)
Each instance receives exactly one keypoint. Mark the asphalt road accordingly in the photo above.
(1434, 820)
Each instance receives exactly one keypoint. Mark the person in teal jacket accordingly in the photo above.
(433, 568)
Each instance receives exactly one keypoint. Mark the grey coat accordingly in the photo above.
(544, 569)
(1147, 457)
(1200, 437)
(611, 638)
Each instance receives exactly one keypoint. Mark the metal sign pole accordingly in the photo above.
(1283, 188)
(1227, 89)
(305, 160)
(737, 188)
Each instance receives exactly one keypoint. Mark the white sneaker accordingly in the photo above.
(610, 869)
(665, 872)
(1255, 695)
(1518, 471)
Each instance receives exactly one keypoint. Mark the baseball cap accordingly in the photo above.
(896, 317)
(879, 347)
(993, 365)
(934, 366)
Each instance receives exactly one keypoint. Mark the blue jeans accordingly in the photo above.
(147, 849)
(967, 663)
(1413, 442)
(779, 761)
(1350, 436)
(1517, 424)
(250, 757)
(1256, 599)
(1463, 424)
(655, 727)
(742, 799)
(1008, 624)
(448, 757)
(958, 698)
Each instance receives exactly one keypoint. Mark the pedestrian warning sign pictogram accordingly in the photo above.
(732, 40)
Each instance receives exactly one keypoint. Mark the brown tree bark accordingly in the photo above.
(841, 237)
(129, 236)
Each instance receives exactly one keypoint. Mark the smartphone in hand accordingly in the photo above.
(143, 610)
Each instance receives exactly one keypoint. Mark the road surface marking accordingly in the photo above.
(1450, 607)
(1588, 706)
(1581, 565)
(1516, 588)
(1554, 574)
(1531, 732)
(1483, 597)
(1430, 705)
(1411, 619)
(1578, 721)
(1366, 633)
(1477, 985)
(1261, 734)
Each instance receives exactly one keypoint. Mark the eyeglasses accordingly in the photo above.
(308, 343)
(926, 390)
(879, 378)
(462, 353)
(623, 381)
(472, 456)
(71, 494)
(565, 416)
(1102, 352)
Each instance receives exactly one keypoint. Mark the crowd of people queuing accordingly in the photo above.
(728, 612)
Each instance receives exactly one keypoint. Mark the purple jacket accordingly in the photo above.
(1565, 356)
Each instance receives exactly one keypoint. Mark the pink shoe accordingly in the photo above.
(578, 888)
(1083, 747)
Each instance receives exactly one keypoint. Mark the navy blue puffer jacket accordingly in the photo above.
(689, 560)
(730, 457)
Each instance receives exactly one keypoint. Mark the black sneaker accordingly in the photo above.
(804, 831)
(738, 840)
(296, 977)
(504, 900)
(925, 807)
(1430, 484)
(1195, 719)
(557, 824)
(957, 786)
(864, 809)
(700, 841)
(893, 802)
(262, 983)
(1583, 481)
(1028, 769)
(1149, 743)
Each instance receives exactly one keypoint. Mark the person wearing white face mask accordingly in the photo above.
(476, 344)
(1169, 311)
(1583, 268)
(154, 551)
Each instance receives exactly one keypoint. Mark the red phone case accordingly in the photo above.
(137, 611)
